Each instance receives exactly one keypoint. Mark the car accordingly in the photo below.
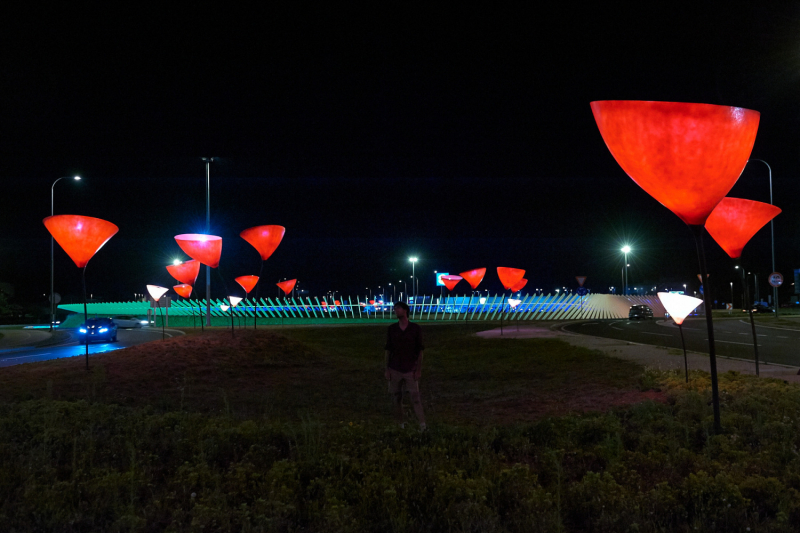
(128, 321)
(98, 329)
(761, 308)
(640, 311)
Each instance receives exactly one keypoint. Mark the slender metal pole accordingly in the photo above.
(52, 265)
(712, 352)
(626, 273)
(685, 359)
(752, 322)
(772, 232)
(85, 318)
(208, 231)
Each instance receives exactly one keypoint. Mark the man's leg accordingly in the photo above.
(416, 401)
(396, 393)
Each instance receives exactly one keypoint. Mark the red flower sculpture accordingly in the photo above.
(451, 281)
(247, 282)
(520, 285)
(287, 286)
(204, 248)
(81, 237)
(265, 239)
(735, 220)
(474, 277)
(686, 156)
(185, 272)
(509, 277)
(184, 289)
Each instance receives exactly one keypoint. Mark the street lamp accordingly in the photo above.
(413, 264)
(394, 292)
(772, 232)
(626, 250)
(52, 267)
(208, 161)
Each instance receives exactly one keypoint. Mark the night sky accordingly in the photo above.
(461, 136)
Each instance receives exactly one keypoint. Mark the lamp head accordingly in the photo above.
(176, 261)
(626, 249)
(412, 259)
(77, 178)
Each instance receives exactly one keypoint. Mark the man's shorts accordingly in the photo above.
(399, 381)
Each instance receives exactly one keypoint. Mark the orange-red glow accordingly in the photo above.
(248, 283)
(451, 281)
(735, 220)
(205, 248)
(686, 156)
(287, 286)
(519, 285)
(184, 289)
(509, 277)
(185, 272)
(265, 239)
(81, 237)
(474, 277)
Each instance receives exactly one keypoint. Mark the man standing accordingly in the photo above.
(404, 363)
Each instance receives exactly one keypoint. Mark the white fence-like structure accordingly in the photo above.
(559, 306)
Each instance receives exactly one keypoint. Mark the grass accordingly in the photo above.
(290, 430)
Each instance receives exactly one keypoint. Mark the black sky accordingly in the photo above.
(459, 135)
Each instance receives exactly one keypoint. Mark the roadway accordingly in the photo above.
(70, 347)
(733, 337)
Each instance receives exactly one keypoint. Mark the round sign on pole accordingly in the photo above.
(56, 297)
(776, 279)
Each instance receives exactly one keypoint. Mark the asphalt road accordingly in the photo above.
(733, 337)
(71, 348)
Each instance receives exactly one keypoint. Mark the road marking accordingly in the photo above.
(659, 334)
(588, 323)
(731, 342)
(782, 336)
(24, 356)
(618, 329)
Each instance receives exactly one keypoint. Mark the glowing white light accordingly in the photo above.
(156, 292)
(235, 300)
(483, 301)
(176, 261)
(626, 249)
(678, 305)
(77, 178)
(513, 302)
(224, 307)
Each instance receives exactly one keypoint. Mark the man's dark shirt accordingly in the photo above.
(403, 346)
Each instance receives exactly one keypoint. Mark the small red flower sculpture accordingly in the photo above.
(735, 220)
(81, 237)
(185, 272)
(287, 286)
(474, 277)
(205, 248)
(247, 282)
(509, 277)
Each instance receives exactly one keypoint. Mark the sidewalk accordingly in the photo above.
(644, 354)
(15, 340)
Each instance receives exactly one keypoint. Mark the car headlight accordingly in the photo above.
(103, 330)
(82, 330)
(144, 322)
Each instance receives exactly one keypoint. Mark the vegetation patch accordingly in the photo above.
(112, 451)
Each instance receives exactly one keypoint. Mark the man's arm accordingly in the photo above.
(386, 365)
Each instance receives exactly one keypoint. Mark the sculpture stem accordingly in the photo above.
(697, 231)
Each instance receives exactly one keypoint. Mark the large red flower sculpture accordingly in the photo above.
(474, 277)
(81, 237)
(265, 239)
(686, 156)
(287, 286)
(520, 284)
(204, 248)
(184, 290)
(509, 277)
(247, 282)
(735, 220)
(451, 281)
(185, 272)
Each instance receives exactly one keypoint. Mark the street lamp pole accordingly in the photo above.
(772, 232)
(626, 250)
(52, 262)
(208, 161)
